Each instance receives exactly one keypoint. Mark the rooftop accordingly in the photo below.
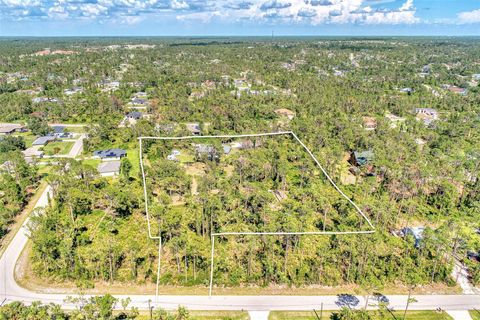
(110, 153)
(109, 166)
(40, 141)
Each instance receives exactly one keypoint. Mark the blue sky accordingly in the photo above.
(238, 17)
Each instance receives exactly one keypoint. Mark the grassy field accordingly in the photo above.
(63, 148)
(310, 315)
(75, 129)
(28, 137)
(92, 162)
(134, 158)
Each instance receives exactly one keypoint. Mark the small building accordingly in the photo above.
(135, 115)
(194, 128)
(9, 128)
(72, 91)
(476, 76)
(59, 132)
(206, 150)
(427, 115)
(362, 158)
(110, 154)
(458, 90)
(283, 112)
(369, 123)
(109, 168)
(42, 141)
(32, 152)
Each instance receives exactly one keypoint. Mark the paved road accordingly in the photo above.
(12, 291)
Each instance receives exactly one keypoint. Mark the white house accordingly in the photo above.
(109, 168)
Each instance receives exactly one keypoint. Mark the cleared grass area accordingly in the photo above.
(92, 162)
(134, 158)
(310, 315)
(185, 157)
(75, 129)
(58, 147)
(28, 137)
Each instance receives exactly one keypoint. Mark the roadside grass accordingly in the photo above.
(475, 314)
(208, 315)
(58, 148)
(397, 315)
(20, 218)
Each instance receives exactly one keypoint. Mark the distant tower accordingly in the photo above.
(272, 34)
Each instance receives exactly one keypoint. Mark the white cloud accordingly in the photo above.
(308, 12)
(408, 5)
(469, 16)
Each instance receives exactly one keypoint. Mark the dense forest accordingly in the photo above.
(337, 95)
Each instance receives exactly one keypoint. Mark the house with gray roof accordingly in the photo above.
(110, 154)
(109, 168)
(42, 141)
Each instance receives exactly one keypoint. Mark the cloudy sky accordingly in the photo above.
(238, 17)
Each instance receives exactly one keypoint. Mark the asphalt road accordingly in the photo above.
(11, 291)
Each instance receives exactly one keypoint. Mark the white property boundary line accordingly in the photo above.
(244, 233)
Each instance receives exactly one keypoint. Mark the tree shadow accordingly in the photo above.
(347, 300)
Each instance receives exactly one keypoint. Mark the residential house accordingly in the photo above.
(206, 150)
(73, 91)
(59, 132)
(135, 115)
(109, 168)
(9, 128)
(42, 141)
(194, 128)
(110, 154)
(362, 158)
(427, 115)
(32, 152)
(458, 90)
(369, 123)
